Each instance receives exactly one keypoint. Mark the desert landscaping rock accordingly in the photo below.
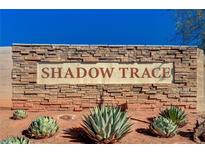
(66, 117)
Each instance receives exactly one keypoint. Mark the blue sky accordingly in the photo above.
(149, 27)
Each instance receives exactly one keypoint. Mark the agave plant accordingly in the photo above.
(19, 114)
(163, 127)
(106, 124)
(15, 140)
(42, 127)
(176, 114)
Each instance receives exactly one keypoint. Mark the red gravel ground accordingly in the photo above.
(71, 133)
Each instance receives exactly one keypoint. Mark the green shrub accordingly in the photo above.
(163, 127)
(15, 140)
(176, 114)
(19, 114)
(42, 127)
(106, 124)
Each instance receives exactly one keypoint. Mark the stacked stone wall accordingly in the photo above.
(27, 94)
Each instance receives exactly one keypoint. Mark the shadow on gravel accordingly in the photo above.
(145, 131)
(186, 134)
(25, 133)
(150, 119)
(77, 135)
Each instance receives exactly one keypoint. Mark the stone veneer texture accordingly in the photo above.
(27, 94)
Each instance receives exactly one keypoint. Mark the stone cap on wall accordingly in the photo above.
(114, 45)
(137, 46)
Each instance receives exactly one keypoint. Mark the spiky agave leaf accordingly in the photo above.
(176, 114)
(42, 127)
(163, 127)
(106, 124)
(19, 114)
(15, 140)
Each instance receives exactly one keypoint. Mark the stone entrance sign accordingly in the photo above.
(74, 77)
(104, 73)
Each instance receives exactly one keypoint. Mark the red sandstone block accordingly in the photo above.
(169, 56)
(151, 102)
(65, 106)
(85, 55)
(73, 95)
(52, 109)
(18, 102)
(97, 55)
(124, 59)
(107, 98)
(41, 95)
(32, 58)
(115, 94)
(166, 104)
(77, 102)
(176, 95)
(151, 92)
(51, 87)
(158, 96)
(88, 105)
(35, 110)
(119, 97)
(173, 100)
(89, 97)
(193, 56)
(35, 99)
(18, 105)
(52, 106)
(45, 103)
(114, 90)
(54, 102)
(121, 101)
(28, 105)
(188, 94)
(178, 104)
(131, 101)
(61, 95)
(192, 106)
(19, 98)
(128, 95)
(188, 99)
(22, 108)
(172, 60)
(94, 101)
(181, 70)
(145, 89)
(163, 100)
(78, 108)
(90, 59)
(133, 106)
(146, 106)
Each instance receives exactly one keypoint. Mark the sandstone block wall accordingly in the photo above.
(27, 94)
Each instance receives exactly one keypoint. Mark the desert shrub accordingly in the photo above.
(176, 114)
(106, 124)
(42, 127)
(15, 140)
(163, 127)
(19, 114)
